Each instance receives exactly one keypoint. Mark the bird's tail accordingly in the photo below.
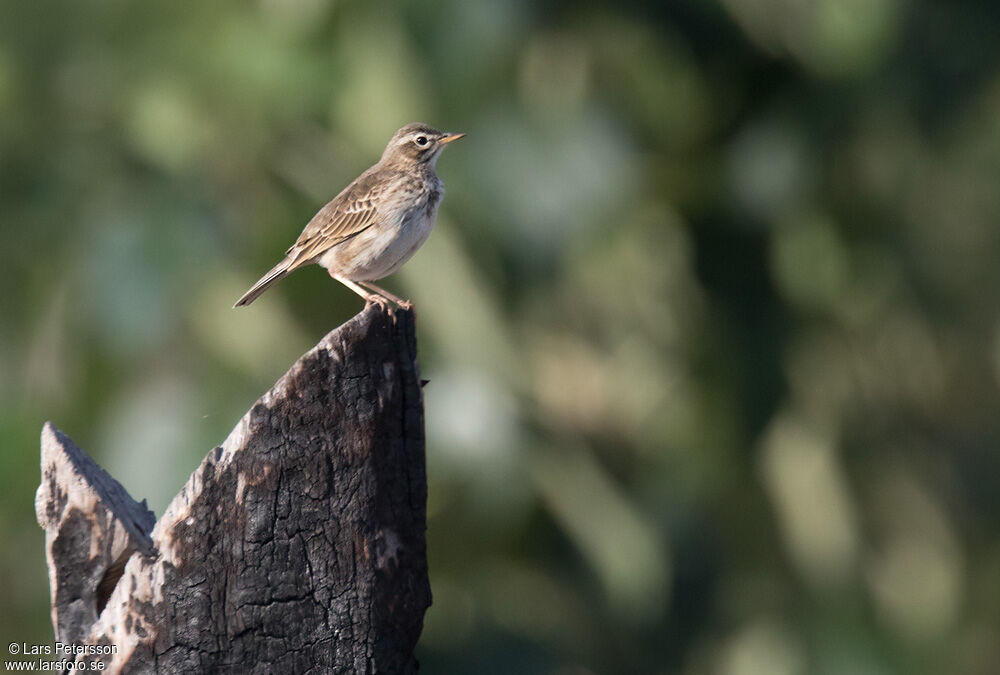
(276, 273)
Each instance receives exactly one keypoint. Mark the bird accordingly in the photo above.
(376, 223)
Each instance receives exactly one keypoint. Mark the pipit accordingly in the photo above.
(376, 223)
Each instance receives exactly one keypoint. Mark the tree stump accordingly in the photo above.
(296, 547)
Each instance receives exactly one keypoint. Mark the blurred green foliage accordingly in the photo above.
(710, 318)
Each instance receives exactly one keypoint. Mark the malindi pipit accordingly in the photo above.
(376, 223)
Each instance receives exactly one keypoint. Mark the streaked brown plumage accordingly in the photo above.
(377, 222)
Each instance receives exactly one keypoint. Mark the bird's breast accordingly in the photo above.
(403, 226)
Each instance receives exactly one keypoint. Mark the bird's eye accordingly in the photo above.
(421, 140)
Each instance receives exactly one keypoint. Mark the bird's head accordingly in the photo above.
(417, 144)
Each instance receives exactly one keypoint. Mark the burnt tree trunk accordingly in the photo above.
(297, 546)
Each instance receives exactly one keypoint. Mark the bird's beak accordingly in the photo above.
(448, 138)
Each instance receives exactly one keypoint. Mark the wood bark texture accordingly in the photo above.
(296, 547)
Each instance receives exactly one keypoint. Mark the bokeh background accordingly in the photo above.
(711, 315)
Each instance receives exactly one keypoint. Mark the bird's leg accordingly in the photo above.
(403, 304)
(369, 297)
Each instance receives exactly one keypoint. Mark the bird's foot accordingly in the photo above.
(378, 290)
(383, 303)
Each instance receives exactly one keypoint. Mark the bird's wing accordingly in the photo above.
(347, 215)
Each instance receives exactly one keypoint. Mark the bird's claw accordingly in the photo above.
(383, 304)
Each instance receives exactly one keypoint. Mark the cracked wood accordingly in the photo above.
(297, 546)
